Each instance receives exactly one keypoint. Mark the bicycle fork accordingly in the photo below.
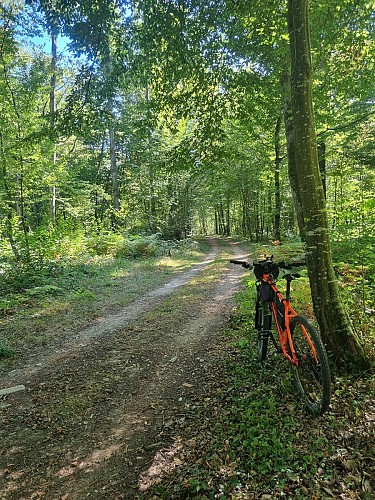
(266, 331)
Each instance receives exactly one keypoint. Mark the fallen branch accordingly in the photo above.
(10, 390)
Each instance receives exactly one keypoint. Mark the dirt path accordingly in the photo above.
(98, 416)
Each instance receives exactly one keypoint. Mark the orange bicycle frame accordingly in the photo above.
(285, 337)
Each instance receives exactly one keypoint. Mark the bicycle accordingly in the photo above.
(299, 340)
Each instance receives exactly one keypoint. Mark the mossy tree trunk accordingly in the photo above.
(336, 328)
(292, 166)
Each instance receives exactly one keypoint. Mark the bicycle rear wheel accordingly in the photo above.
(263, 325)
(312, 377)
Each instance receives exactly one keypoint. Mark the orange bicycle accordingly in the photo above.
(299, 340)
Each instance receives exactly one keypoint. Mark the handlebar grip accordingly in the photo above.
(242, 263)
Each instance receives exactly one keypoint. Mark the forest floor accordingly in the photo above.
(138, 404)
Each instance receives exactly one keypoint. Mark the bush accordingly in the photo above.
(17, 278)
(120, 246)
(104, 244)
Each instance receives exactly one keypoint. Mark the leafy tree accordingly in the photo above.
(332, 317)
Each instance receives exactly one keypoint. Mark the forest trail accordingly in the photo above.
(97, 418)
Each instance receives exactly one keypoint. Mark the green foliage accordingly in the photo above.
(44, 290)
(355, 270)
(260, 438)
(83, 294)
(192, 95)
(128, 247)
(5, 350)
(104, 244)
(27, 276)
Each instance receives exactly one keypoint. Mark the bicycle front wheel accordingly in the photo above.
(312, 375)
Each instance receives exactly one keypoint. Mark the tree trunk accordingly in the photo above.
(227, 219)
(216, 221)
(8, 226)
(52, 109)
(322, 165)
(112, 144)
(278, 160)
(113, 161)
(22, 212)
(292, 166)
(257, 217)
(152, 215)
(333, 320)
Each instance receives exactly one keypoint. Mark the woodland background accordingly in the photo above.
(139, 124)
(129, 130)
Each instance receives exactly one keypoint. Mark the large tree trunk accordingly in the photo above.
(322, 165)
(333, 320)
(292, 166)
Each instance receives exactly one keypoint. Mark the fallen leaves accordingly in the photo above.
(328, 457)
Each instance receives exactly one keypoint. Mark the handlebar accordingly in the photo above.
(242, 263)
(281, 265)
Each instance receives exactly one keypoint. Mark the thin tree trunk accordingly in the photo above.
(333, 320)
(52, 108)
(112, 144)
(152, 221)
(113, 161)
(257, 217)
(227, 225)
(278, 160)
(10, 209)
(22, 212)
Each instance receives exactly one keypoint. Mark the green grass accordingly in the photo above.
(5, 350)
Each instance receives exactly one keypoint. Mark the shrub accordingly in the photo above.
(104, 244)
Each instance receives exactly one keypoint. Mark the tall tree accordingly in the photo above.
(334, 322)
(52, 108)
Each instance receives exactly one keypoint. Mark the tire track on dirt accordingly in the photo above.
(138, 383)
(106, 325)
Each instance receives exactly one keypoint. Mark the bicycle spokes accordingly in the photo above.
(311, 373)
(308, 363)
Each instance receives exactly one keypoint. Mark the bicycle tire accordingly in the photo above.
(312, 377)
(263, 325)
